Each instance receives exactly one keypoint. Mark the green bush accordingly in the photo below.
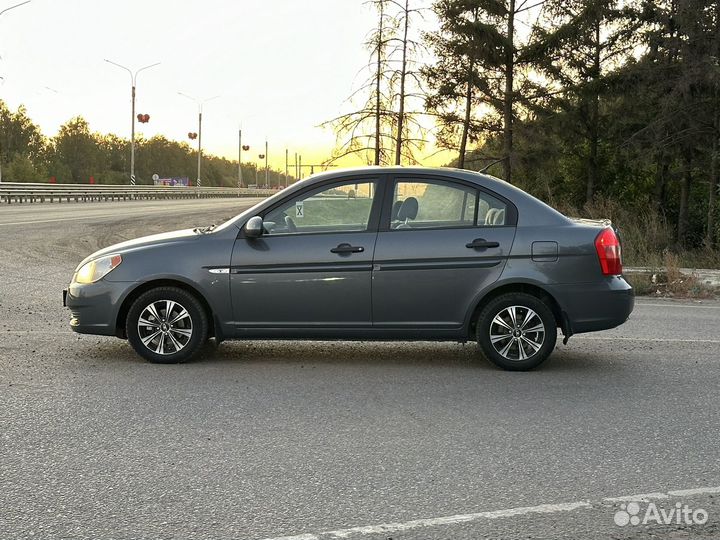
(22, 169)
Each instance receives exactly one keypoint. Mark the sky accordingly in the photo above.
(280, 67)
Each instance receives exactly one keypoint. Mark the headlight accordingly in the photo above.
(97, 269)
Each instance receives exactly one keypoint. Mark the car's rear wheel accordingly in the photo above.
(516, 331)
(166, 325)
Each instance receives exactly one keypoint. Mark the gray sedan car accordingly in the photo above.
(364, 254)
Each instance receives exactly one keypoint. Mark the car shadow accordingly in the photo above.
(341, 352)
(439, 355)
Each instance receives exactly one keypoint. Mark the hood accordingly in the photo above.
(144, 241)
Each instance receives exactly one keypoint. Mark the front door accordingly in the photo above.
(442, 242)
(312, 266)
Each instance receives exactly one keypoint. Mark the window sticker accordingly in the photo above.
(299, 210)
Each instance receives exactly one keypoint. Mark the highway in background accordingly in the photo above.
(335, 440)
(32, 214)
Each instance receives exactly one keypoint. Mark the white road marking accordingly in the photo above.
(588, 338)
(650, 340)
(88, 217)
(642, 304)
(61, 219)
(439, 521)
(643, 497)
(387, 528)
(696, 491)
(96, 213)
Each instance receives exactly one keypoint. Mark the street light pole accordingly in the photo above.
(200, 104)
(1, 12)
(132, 135)
(133, 82)
(266, 164)
(198, 183)
(286, 167)
(15, 6)
(240, 182)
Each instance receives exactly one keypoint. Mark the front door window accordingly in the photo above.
(340, 208)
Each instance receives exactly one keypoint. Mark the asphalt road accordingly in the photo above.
(319, 441)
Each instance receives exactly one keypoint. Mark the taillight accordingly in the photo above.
(609, 252)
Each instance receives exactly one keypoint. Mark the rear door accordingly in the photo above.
(441, 241)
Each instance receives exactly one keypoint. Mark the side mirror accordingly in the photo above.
(254, 227)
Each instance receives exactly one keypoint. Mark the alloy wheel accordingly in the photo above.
(165, 327)
(517, 333)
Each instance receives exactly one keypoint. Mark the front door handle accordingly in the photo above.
(347, 248)
(481, 243)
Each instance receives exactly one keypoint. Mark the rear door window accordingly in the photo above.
(438, 204)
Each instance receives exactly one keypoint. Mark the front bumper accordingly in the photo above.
(601, 305)
(94, 306)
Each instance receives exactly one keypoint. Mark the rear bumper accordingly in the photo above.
(601, 305)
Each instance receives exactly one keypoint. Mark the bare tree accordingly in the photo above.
(380, 45)
(385, 128)
(367, 131)
(408, 131)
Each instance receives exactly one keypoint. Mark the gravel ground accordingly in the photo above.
(268, 439)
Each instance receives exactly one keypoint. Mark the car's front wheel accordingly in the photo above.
(166, 325)
(516, 331)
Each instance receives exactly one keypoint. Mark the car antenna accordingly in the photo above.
(486, 167)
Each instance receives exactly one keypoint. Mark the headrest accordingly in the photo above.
(395, 210)
(409, 209)
(499, 218)
(490, 216)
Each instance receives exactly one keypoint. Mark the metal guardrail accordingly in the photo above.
(19, 192)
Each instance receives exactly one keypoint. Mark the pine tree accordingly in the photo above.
(580, 43)
(452, 81)
(481, 35)
(682, 73)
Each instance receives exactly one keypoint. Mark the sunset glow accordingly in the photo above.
(280, 67)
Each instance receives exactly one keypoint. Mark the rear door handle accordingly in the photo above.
(347, 248)
(481, 243)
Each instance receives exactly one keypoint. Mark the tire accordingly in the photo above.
(167, 340)
(520, 350)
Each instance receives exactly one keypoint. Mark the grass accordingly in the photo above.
(670, 282)
(648, 239)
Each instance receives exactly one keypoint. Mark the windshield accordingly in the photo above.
(241, 217)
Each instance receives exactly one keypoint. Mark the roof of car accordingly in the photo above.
(532, 211)
(444, 171)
